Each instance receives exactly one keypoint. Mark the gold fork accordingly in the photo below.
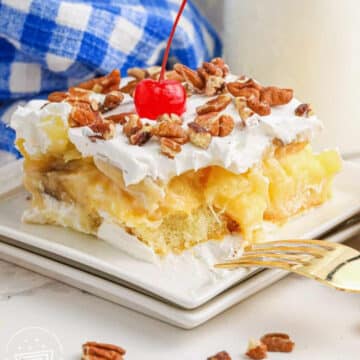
(332, 264)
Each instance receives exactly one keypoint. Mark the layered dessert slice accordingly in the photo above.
(238, 158)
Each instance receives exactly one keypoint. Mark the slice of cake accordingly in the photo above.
(237, 158)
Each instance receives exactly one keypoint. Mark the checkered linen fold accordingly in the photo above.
(50, 45)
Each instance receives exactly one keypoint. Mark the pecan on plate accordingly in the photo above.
(169, 147)
(199, 136)
(304, 110)
(103, 84)
(278, 342)
(275, 96)
(215, 105)
(97, 351)
(256, 350)
(223, 355)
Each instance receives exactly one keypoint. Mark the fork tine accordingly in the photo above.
(317, 252)
(289, 258)
(260, 263)
(300, 242)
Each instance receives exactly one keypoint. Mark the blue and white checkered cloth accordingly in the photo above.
(50, 45)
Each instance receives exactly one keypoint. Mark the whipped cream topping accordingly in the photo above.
(30, 121)
(238, 152)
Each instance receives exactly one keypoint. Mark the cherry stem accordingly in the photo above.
(167, 51)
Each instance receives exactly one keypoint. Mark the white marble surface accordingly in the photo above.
(324, 323)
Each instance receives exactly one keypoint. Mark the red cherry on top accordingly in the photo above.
(154, 98)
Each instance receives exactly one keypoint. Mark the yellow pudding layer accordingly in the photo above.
(191, 208)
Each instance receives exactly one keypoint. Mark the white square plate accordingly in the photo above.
(180, 285)
(186, 319)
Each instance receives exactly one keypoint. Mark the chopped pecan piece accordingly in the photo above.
(97, 351)
(212, 69)
(199, 136)
(235, 88)
(120, 118)
(275, 96)
(103, 130)
(223, 355)
(226, 125)
(248, 92)
(169, 147)
(173, 75)
(256, 350)
(77, 92)
(278, 342)
(209, 122)
(82, 115)
(154, 72)
(215, 105)
(57, 96)
(304, 110)
(190, 76)
(213, 74)
(244, 111)
(133, 125)
(169, 130)
(260, 107)
(138, 73)
(141, 137)
(129, 88)
(215, 85)
(103, 84)
(171, 118)
(141, 74)
(181, 140)
(216, 67)
(219, 62)
(112, 100)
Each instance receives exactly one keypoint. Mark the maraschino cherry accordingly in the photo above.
(157, 97)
